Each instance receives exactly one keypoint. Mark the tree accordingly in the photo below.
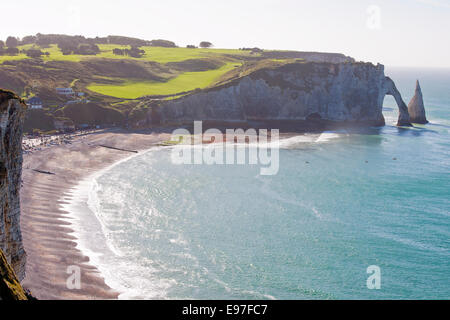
(34, 53)
(28, 40)
(205, 44)
(2, 44)
(191, 46)
(162, 43)
(67, 47)
(12, 42)
(135, 52)
(12, 51)
(118, 52)
(87, 49)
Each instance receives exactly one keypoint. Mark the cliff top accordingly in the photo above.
(260, 69)
(6, 95)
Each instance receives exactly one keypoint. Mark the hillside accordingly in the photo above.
(114, 74)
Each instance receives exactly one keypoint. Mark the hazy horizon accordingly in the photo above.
(394, 33)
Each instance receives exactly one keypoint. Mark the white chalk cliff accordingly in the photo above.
(346, 92)
(12, 112)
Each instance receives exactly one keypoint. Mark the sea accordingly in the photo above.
(351, 214)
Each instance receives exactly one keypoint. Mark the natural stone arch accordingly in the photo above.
(403, 114)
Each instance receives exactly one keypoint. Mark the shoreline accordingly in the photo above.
(48, 233)
(86, 224)
(52, 205)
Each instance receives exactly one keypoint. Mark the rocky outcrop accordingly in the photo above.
(10, 287)
(416, 107)
(12, 110)
(314, 91)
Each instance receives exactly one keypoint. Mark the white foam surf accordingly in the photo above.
(93, 239)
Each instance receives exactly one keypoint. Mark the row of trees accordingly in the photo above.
(84, 46)
(32, 53)
(45, 40)
(203, 44)
(35, 53)
(81, 48)
(134, 52)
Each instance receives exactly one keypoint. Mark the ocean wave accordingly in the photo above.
(120, 271)
(282, 143)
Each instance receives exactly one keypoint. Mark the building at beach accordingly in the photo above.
(34, 103)
(64, 125)
(65, 91)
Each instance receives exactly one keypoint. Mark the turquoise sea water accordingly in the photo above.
(341, 202)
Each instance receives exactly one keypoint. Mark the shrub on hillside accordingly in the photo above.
(67, 48)
(87, 49)
(92, 114)
(205, 44)
(12, 42)
(44, 40)
(253, 50)
(134, 52)
(125, 41)
(33, 53)
(162, 43)
(38, 119)
(12, 51)
(28, 40)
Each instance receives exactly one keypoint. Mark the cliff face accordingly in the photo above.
(335, 92)
(12, 112)
(10, 288)
(416, 108)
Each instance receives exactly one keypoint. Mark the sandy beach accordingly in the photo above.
(49, 174)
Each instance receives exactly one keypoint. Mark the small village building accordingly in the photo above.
(65, 91)
(34, 103)
(77, 101)
(64, 125)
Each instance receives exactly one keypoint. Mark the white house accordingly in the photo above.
(34, 103)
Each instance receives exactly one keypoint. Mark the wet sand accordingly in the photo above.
(47, 235)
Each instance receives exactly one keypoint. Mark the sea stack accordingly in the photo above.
(416, 108)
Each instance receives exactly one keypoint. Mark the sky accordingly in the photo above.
(413, 33)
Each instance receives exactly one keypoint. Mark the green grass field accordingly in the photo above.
(157, 54)
(187, 81)
(12, 58)
(165, 55)
(130, 88)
